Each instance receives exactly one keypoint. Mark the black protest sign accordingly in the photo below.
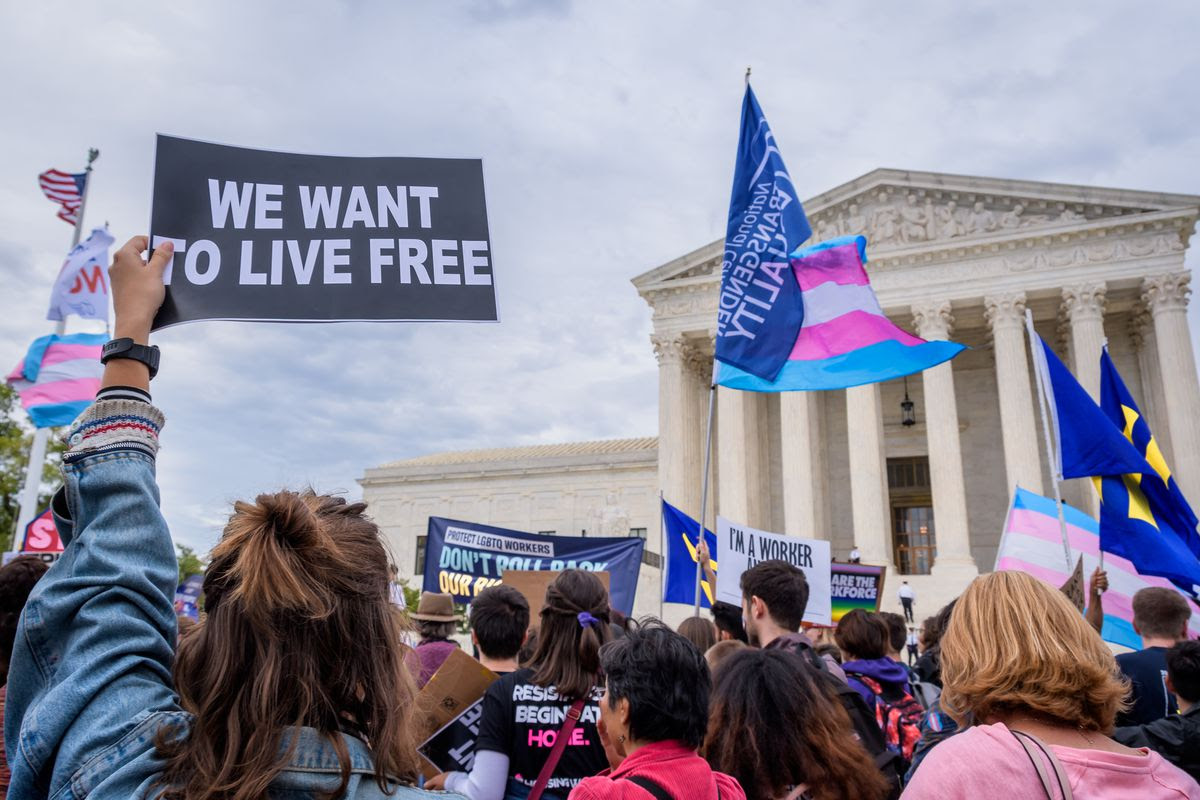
(262, 235)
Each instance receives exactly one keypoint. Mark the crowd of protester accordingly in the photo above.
(302, 678)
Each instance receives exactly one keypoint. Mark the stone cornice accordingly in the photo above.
(631, 461)
(1016, 246)
(911, 180)
(1119, 250)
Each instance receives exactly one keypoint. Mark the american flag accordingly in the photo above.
(66, 190)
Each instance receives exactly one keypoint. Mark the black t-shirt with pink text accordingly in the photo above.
(522, 720)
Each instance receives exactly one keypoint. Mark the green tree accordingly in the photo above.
(16, 436)
(189, 562)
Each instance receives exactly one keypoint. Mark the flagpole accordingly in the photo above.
(662, 550)
(1051, 451)
(1099, 546)
(37, 450)
(712, 396)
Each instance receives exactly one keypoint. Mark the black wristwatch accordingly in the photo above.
(127, 348)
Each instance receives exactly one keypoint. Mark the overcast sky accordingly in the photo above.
(607, 131)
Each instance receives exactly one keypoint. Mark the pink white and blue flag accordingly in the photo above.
(1032, 543)
(59, 377)
(845, 339)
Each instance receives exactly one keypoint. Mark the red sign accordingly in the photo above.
(41, 536)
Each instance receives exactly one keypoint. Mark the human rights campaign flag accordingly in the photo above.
(1135, 524)
(1119, 406)
(680, 532)
(760, 310)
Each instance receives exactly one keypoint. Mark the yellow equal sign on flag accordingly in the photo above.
(704, 584)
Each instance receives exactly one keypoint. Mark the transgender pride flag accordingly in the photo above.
(59, 377)
(845, 339)
(1032, 543)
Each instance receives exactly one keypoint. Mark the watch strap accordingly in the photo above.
(127, 348)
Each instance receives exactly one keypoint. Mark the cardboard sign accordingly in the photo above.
(855, 586)
(741, 547)
(464, 558)
(269, 236)
(451, 702)
(532, 585)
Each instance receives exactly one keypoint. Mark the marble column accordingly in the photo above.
(1083, 306)
(868, 475)
(1167, 296)
(699, 366)
(933, 321)
(1022, 461)
(676, 424)
(1154, 406)
(803, 472)
(733, 447)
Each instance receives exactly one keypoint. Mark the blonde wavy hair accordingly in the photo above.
(1016, 644)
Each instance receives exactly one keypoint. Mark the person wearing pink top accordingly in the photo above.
(1043, 691)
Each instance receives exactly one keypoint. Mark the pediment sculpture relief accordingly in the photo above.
(908, 219)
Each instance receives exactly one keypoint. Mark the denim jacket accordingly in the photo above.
(90, 679)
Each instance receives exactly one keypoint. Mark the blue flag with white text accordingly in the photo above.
(759, 310)
(680, 530)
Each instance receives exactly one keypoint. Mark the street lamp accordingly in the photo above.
(908, 416)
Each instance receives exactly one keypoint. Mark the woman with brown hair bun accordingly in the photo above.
(1043, 690)
(781, 736)
(527, 711)
(293, 686)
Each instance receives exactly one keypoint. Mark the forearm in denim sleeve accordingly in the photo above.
(96, 641)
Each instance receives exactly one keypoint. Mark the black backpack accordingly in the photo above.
(861, 718)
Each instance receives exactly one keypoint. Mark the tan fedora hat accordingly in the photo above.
(435, 607)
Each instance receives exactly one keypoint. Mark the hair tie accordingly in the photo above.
(587, 620)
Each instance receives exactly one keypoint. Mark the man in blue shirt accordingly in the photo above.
(1160, 616)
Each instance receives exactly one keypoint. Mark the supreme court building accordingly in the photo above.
(924, 491)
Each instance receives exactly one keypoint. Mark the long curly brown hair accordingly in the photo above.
(772, 727)
(299, 631)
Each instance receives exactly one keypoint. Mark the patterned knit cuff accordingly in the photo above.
(114, 425)
(123, 393)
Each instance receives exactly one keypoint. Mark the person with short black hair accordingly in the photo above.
(1160, 617)
(1175, 737)
(654, 714)
(728, 619)
(499, 625)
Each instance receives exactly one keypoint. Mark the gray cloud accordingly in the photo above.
(607, 132)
